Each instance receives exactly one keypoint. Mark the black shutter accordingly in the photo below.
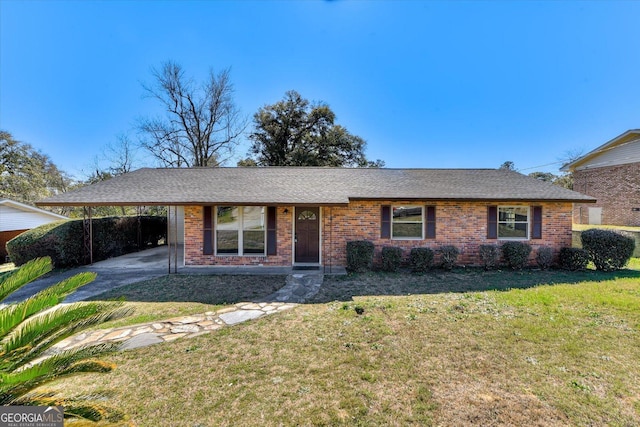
(536, 224)
(492, 222)
(430, 223)
(272, 247)
(207, 238)
(385, 223)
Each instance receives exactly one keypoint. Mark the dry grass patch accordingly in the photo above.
(548, 356)
(181, 295)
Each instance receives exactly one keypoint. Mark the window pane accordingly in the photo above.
(407, 213)
(513, 214)
(253, 218)
(253, 242)
(227, 218)
(513, 222)
(307, 216)
(407, 230)
(512, 230)
(227, 241)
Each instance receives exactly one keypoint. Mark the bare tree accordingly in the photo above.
(566, 179)
(121, 155)
(201, 125)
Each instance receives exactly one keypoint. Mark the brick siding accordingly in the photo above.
(463, 225)
(617, 189)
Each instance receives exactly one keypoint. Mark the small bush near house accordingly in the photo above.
(573, 259)
(607, 249)
(516, 254)
(63, 241)
(359, 256)
(489, 255)
(544, 257)
(448, 257)
(391, 258)
(420, 259)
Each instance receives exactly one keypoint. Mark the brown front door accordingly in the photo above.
(307, 239)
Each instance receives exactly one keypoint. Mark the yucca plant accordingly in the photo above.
(29, 329)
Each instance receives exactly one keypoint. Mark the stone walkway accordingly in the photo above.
(297, 289)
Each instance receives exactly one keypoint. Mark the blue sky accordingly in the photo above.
(426, 84)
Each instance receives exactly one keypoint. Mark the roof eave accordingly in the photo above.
(571, 166)
(191, 203)
(477, 199)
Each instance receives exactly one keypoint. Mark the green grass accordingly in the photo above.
(582, 227)
(462, 349)
(344, 288)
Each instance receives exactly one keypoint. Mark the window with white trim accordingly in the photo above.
(513, 222)
(407, 222)
(240, 230)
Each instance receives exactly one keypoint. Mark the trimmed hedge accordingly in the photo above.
(63, 241)
(448, 256)
(489, 255)
(420, 259)
(360, 256)
(544, 257)
(516, 254)
(607, 249)
(573, 259)
(391, 258)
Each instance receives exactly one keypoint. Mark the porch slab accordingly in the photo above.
(255, 270)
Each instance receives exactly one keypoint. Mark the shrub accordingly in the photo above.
(448, 257)
(391, 258)
(516, 254)
(607, 249)
(359, 256)
(63, 241)
(544, 257)
(489, 255)
(573, 259)
(420, 259)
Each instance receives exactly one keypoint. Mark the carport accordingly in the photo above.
(90, 197)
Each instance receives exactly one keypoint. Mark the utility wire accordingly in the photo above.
(602, 150)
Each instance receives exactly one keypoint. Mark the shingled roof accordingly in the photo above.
(310, 185)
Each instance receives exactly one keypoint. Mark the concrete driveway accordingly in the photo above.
(112, 273)
(136, 267)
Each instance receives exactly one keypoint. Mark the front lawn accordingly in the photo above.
(452, 352)
(181, 295)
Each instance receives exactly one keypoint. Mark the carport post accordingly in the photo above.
(175, 239)
(169, 237)
(87, 231)
(172, 251)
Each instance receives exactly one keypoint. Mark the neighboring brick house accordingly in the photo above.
(16, 218)
(611, 174)
(305, 216)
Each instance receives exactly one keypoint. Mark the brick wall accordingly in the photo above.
(617, 189)
(461, 224)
